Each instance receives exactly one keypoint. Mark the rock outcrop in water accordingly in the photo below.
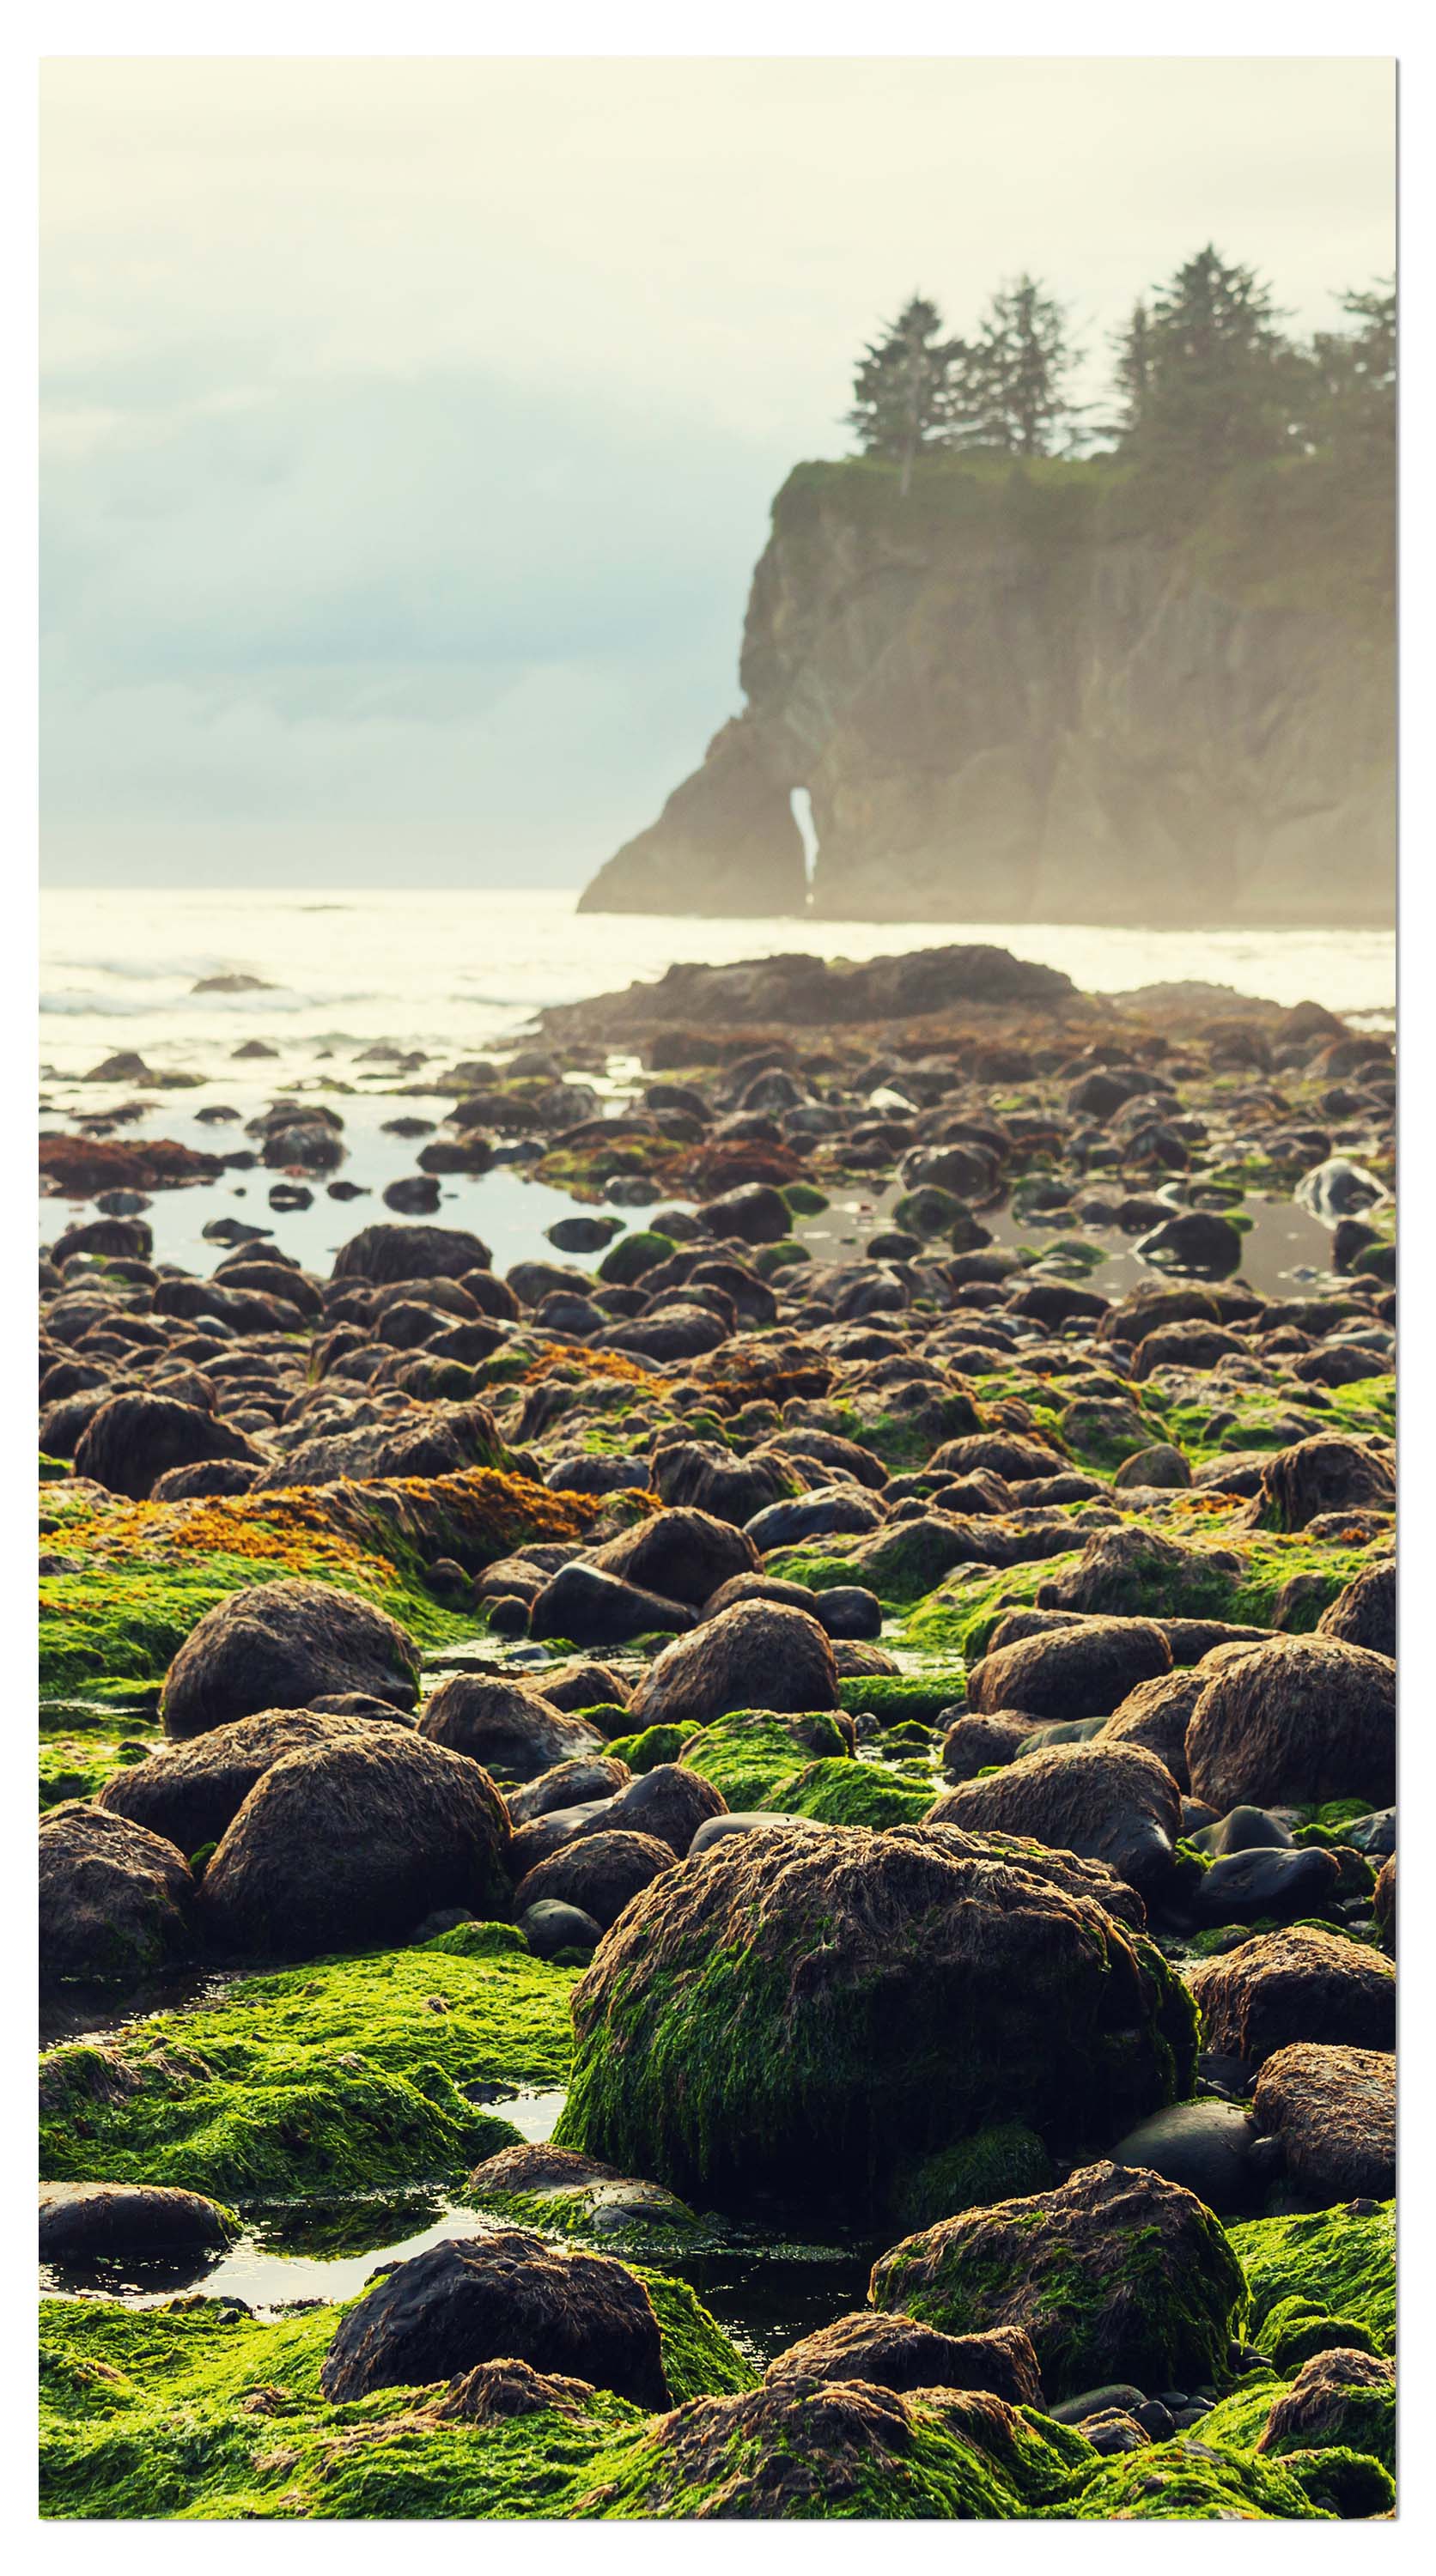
(1010, 697)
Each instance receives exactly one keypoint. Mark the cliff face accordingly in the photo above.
(1010, 700)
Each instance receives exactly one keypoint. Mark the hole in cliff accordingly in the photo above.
(802, 805)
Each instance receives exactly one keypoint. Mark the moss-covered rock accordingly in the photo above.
(806, 2013)
(1341, 2261)
(348, 2075)
(755, 1756)
(1116, 2276)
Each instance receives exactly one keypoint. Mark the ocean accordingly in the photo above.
(450, 975)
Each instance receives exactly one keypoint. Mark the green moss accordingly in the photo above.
(1341, 2261)
(859, 1793)
(645, 1752)
(756, 1757)
(1001, 2163)
(633, 1254)
(200, 2412)
(75, 1766)
(348, 2075)
(1294, 2330)
(803, 1199)
(890, 1698)
(1185, 2481)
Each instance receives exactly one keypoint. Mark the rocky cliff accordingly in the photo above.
(1042, 694)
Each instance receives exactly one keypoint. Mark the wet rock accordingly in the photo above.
(1204, 2146)
(1159, 1467)
(1295, 1723)
(597, 1873)
(1334, 2111)
(1162, 2291)
(1301, 1984)
(580, 1684)
(1245, 1829)
(512, 1731)
(386, 1252)
(592, 1608)
(79, 2220)
(1155, 1716)
(1365, 1613)
(1125, 1572)
(494, 2392)
(278, 1645)
(1339, 2400)
(1117, 1805)
(349, 1845)
(116, 1902)
(757, 1655)
(1197, 1242)
(1254, 1886)
(681, 1554)
(506, 2296)
(550, 1927)
(754, 1213)
(670, 1802)
(898, 2352)
(131, 1441)
(1325, 1474)
(896, 1990)
(712, 1481)
(188, 1793)
(974, 1744)
(1081, 1671)
(569, 1784)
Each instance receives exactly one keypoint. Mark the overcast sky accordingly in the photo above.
(410, 427)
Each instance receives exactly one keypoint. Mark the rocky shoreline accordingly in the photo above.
(852, 1707)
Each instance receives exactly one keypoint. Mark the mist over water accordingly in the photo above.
(456, 972)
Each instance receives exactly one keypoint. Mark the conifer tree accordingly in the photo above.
(902, 390)
(1222, 383)
(1011, 387)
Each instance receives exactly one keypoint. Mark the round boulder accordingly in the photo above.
(511, 1731)
(1161, 2292)
(280, 1645)
(596, 1874)
(190, 1792)
(757, 1655)
(1059, 1673)
(1293, 1724)
(133, 1440)
(1326, 1474)
(116, 1902)
(804, 2012)
(81, 2219)
(1155, 1717)
(898, 2352)
(507, 2296)
(1365, 1613)
(1334, 2110)
(349, 1845)
(1301, 1984)
(1116, 1804)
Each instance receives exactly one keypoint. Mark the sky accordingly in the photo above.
(409, 427)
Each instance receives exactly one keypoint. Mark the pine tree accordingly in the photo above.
(1222, 384)
(903, 386)
(1352, 409)
(1010, 389)
(1133, 372)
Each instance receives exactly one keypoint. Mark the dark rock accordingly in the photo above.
(1156, 1716)
(1204, 2146)
(1334, 2111)
(597, 1873)
(1301, 1984)
(385, 1252)
(574, 1783)
(1365, 1613)
(190, 1792)
(549, 1927)
(349, 1845)
(116, 1902)
(276, 1646)
(1325, 1474)
(510, 1730)
(1080, 1671)
(79, 2220)
(507, 2296)
(1252, 1886)
(758, 1655)
(898, 2352)
(1117, 1805)
(680, 1554)
(592, 1608)
(1161, 2288)
(131, 1441)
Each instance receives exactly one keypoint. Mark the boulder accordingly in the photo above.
(116, 1902)
(1134, 1571)
(898, 2352)
(681, 1555)
(596, 1873)
(1081, 1671)
(1155, 1716)
(133, 1440)
(669, 1802)
(1294, 1723)
(1207, 2148)
(79, 2220)
(1161, 2292)
(190, 1792)
(506, 2296)
(513, 1732)
(1339, 2400)
(580, 1684)
(1265, 1883)
(577, 1783)
(809, 2010)
(592, 1608)
(1334, 2110)
(346, 1846)
(1286, 1987)
(711, 1480)
(757, 1655)
(1365, 1613)
(279, 1645)
(387, 1252)
(1116, 1804)
(1325, 1474)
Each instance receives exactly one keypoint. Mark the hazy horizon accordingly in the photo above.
(409, 427)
